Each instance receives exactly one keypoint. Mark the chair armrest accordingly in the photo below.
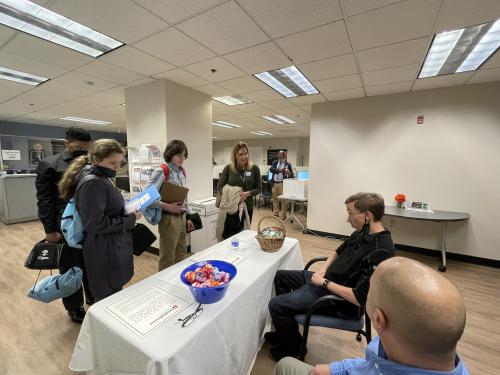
(323, 301)
(314, 260)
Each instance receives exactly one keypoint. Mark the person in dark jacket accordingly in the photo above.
(346, 273)
(242, 172)
(107, 245)
(50, 209)
(281, 169)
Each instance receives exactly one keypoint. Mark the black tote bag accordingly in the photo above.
(44, 256)
(142, 238)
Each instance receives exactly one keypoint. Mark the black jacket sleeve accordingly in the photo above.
(257, 180)
(46, 193)
(92, 196)
(223, 179)
(274, 168)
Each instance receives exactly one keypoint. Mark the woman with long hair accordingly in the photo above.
(107, 246)
(172, 227)
(242, 172)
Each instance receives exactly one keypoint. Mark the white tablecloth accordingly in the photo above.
(224, 340)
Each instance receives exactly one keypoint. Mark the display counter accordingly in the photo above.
(18, 201)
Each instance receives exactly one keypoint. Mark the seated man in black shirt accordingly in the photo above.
(346, 273)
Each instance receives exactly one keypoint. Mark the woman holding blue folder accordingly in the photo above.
(107, 247)
(173, 226)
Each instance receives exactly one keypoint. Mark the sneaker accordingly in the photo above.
(280, 352)
(77, 315)
(272, 338)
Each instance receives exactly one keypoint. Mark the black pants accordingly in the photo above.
(71, 257)
(250, 214)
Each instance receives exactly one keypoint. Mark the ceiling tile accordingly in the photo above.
(41, 50)
(338, 83)
(244, 84)
(307, 108)
(108, 72)
(79, 79)
(23, 64)
(250, 107)
(5, 34)
(307, 99)
(459, 13)
(394, 23)
(223, 108)
(493, 61)
(74, 107)
(173, 46)
(283, 17)
(136, 61)
(328, 68)
(403, 53)
(213, 90)
(487, 75)
(223, 70)
(390, 88)
(184, 78)
(139, 82)
(441, 81)
(276, 104)
(224, 29)
(317, 44)
(391, 75)
(344, 94)
(174, 11)
(123, 20)
(259, 58)
(262, 96)
(360, 6)
(10, 89)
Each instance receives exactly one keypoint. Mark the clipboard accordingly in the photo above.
(173, 193)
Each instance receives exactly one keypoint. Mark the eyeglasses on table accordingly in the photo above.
(191, 317)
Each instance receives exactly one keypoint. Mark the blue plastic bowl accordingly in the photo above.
(213, 294)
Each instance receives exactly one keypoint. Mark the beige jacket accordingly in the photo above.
(229, 205)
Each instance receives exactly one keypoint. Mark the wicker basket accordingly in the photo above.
(271, 245)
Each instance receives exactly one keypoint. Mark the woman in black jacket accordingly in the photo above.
(107, 247)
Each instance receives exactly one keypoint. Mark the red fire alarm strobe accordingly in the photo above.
(420, 119)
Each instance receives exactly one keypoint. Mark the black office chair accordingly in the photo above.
(352, 324)
(215, 182)
(266, 194)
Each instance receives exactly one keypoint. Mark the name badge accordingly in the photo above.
(248, 174)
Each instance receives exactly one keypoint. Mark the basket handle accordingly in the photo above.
(282, 225)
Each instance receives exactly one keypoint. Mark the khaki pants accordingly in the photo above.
(292, 366)
(277, 203)
(172, 231)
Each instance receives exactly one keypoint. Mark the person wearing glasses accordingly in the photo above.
(402, 294)
(243, 173)
(346, 273)
(172, 227)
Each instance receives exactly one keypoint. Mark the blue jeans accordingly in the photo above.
(295, 293)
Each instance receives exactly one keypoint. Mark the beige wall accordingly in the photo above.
(452, 162)
(297, 150)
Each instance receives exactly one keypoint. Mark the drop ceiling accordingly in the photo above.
(346, 48)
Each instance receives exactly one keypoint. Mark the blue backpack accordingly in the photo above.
(71, 222)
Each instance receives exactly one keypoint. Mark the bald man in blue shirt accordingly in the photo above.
(419, 316)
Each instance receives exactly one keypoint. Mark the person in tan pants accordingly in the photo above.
(280, 169)
(173, 226)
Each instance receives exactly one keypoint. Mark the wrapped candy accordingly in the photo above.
(206, 277)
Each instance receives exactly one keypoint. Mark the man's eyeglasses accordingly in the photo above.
(191, 317)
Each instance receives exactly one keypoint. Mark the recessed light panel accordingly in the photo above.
(233, 100)
(461, 50)
(261, 133)
(86, 120)
(33, 19)
(224, 124)
(17, 76)
(289, 82)
(279, 119)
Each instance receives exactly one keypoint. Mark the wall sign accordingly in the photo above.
(11, 154)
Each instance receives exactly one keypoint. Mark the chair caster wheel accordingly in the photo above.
(442, 268)
(358, 337)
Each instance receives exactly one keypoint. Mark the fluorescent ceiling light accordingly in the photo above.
(224, 124)
(33, 19)
(233, 100)
(261, 133)
(289, 82)
(86, 120)
(17, 76)
(461, 50)
(278, 119)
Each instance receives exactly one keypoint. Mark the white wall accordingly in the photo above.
(452, 162)
(295, 146)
